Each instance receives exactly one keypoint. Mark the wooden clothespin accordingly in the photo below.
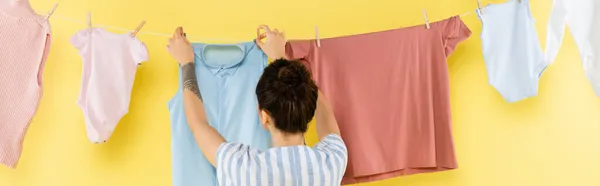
(479, 6)
(89, 19)
(317, 37)
(89, 22)
(138, 28)
(426, 19)
(51, 11)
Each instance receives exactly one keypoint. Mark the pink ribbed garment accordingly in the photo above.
(24, 44)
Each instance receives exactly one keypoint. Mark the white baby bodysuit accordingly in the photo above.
(583, 19)
(109, 65)
(513, 56)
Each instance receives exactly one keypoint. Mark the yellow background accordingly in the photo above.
(550, 139)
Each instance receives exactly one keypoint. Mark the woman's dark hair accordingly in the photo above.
(288, 94)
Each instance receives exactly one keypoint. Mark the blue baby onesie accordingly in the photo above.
(227, 77)
(511, 49)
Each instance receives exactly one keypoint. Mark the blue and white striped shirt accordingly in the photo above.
(322, 165)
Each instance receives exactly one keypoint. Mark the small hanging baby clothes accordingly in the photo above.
(513, 56)
(227, 77)
(390, 95)
(583, 19)
(24, 45)
(109, 65)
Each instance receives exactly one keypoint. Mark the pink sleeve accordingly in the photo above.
(47, 44)
(139, 52)
(79, 39)
(300, 50)
(297, 49)
(455, 32)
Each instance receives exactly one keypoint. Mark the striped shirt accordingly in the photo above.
(322, 165)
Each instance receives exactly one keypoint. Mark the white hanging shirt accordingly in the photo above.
(583, 19)
(109, 65)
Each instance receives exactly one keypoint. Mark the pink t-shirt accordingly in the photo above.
(24, 45)
(390, 94)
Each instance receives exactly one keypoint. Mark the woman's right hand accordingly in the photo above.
(180, 48)
(274, 46)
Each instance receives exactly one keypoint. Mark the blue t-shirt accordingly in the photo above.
(227, 77)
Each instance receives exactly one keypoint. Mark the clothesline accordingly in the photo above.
(141, 32)
(191, 37)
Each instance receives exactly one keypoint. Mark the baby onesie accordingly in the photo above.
(24, 45)
(227, 77)
(513, 56)
(390, 95)
(583, 19)
(109, 65)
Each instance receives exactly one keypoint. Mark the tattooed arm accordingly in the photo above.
(207, 138)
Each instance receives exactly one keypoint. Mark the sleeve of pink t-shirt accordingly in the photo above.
(139, 52)
(44, 55)
(79, 40)
(300, 50)
(454, 32)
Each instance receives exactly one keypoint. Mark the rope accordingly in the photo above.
(167, 35)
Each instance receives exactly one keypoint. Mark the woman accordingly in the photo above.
(287, 99)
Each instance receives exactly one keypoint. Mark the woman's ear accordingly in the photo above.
(264, 119)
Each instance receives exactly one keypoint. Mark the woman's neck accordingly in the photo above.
(281, 139)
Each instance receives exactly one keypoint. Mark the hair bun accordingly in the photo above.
(291, 76)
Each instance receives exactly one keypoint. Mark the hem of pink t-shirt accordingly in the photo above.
(10, 153)
(393, 174)
(8, 162)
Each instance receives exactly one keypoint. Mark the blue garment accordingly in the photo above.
(511, 49)
(227, 77)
